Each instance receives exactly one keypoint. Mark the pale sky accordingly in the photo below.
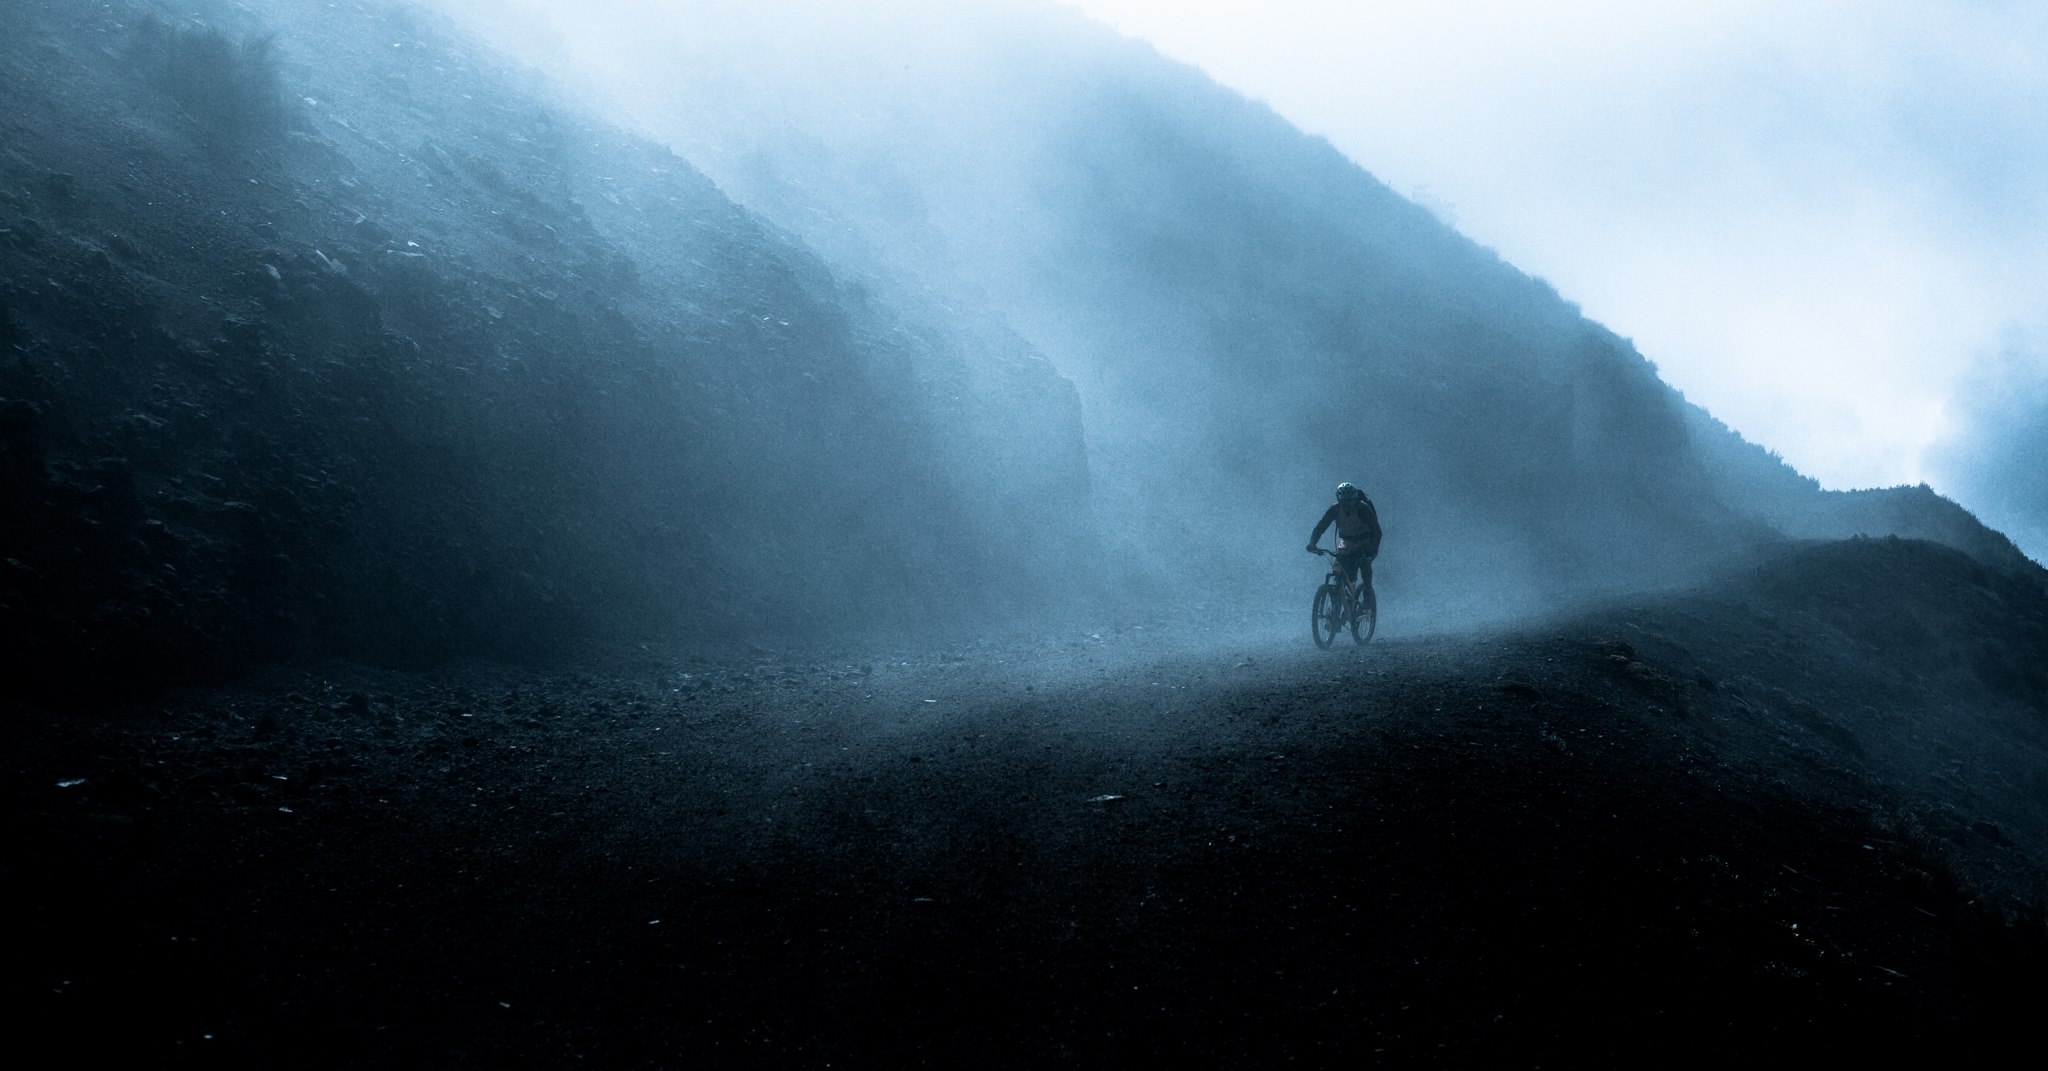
(1827, 222)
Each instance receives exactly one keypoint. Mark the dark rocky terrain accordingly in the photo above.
(1798, 810)
(405, 364)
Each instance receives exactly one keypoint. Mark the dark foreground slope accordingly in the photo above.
(348, 343)
(1799, 810)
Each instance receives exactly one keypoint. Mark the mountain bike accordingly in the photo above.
(1339, 604)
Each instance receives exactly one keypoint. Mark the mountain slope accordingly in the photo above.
(1250, 316)
(351, 344)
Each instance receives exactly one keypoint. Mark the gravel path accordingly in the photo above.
(1107, 848)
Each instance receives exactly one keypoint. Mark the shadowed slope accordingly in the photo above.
(1666, 824)
(434, 368)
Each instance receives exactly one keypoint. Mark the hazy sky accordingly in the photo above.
(1826, 222)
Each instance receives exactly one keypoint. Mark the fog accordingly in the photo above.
(1997, 463)
(1815, 216)
(1248, 318)
(436, 337)
(1820, 219)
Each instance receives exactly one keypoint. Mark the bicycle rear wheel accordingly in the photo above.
(1363, 626)
(1326, 615)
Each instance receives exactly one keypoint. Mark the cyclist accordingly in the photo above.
(1358, 538)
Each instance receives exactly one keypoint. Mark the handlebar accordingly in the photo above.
(1318, 550)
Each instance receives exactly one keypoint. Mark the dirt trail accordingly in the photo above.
(1106, 848)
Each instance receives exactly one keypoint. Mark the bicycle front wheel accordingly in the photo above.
(1326, 615)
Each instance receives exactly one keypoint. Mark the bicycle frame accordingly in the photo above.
(1341, 576)
(1354, 605)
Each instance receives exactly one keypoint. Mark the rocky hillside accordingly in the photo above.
(324, 334)
(1250, 316)
(1758, 482)
(328, 331)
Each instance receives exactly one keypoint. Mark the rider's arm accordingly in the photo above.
(1329, 516)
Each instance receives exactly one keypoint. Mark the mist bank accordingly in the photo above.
(1250, 316)
(332, 331)
(328, 336)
